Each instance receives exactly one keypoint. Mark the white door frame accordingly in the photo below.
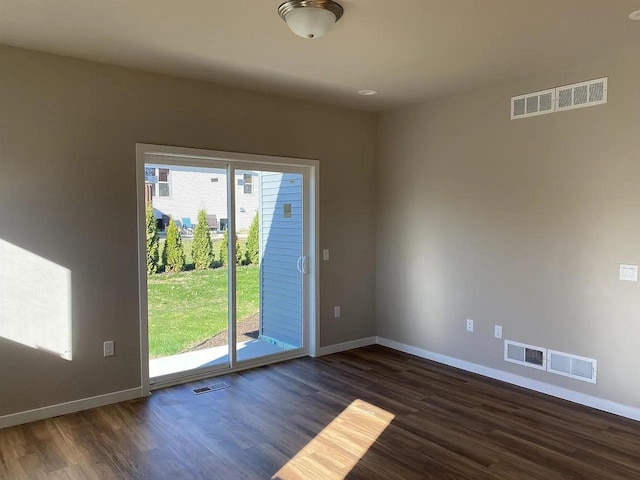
(236, 161)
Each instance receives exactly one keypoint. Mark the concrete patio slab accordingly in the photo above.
(209, 357)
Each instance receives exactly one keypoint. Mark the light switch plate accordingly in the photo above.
(109, 348)
(336, 312)
(497, 332)
(629, 273)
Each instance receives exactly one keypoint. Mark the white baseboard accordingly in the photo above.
(341, 347)
(69, 407)
(542, 387)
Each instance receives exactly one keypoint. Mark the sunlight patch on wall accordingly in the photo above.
(338, 448)
(35, 301)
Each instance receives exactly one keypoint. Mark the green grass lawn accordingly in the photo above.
(188, 307)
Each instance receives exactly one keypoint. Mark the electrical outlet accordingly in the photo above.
(325, 254)
(109, 348)
(336, 312)
(469, 325)
(497, 331)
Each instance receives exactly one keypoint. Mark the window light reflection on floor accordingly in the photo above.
(338, 448)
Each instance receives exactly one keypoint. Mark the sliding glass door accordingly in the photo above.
(187, 282)
(273, 263)
(227, 280)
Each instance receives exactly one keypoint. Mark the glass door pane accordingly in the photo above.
(270, 262)
(187, 280)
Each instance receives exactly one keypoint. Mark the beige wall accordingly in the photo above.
(68, 131)
(520, 223)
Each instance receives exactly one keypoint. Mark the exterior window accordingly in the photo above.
(149, 174)
(164, 185)
(248, 183)
(159, 179)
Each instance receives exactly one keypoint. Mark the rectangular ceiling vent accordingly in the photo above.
(573, 366)
(568, 97)
(531, 104)
(527, 355)
(579, 95)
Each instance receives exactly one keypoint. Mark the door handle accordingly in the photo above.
(302, 265)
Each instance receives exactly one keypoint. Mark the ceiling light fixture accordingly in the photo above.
(635, 15)
(310, 18)
(368, 93)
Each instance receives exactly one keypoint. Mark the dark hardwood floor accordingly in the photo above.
(370, 413)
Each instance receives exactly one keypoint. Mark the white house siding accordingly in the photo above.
(247, 204)
(192, 189)
(280, 249)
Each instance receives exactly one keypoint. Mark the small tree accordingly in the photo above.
(153, 241)
(252, 248)
(238, 252)
(224, 248)
(202, 250)
(173, 253)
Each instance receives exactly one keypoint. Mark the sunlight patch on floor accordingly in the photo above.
(338, 448)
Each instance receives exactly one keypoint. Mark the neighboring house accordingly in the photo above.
(180, 192)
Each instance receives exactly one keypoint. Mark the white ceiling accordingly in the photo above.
(409, 50)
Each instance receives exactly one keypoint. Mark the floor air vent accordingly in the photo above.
(211, 388)
(568, 365)
(527, 355)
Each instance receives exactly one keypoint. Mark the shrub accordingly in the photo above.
(153, 241)
(238, 252)
(252, 248)
(202, 250)
(173, 253)
(224, 249)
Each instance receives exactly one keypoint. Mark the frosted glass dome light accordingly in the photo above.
(310, 22)
(310, 18)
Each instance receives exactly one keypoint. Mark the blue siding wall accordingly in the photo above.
(281, 230)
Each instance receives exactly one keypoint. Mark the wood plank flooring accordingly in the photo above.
(370, 413)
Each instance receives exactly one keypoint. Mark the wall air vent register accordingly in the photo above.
(527, 355)
(573, 366)
(568, 97)
(565, 364)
